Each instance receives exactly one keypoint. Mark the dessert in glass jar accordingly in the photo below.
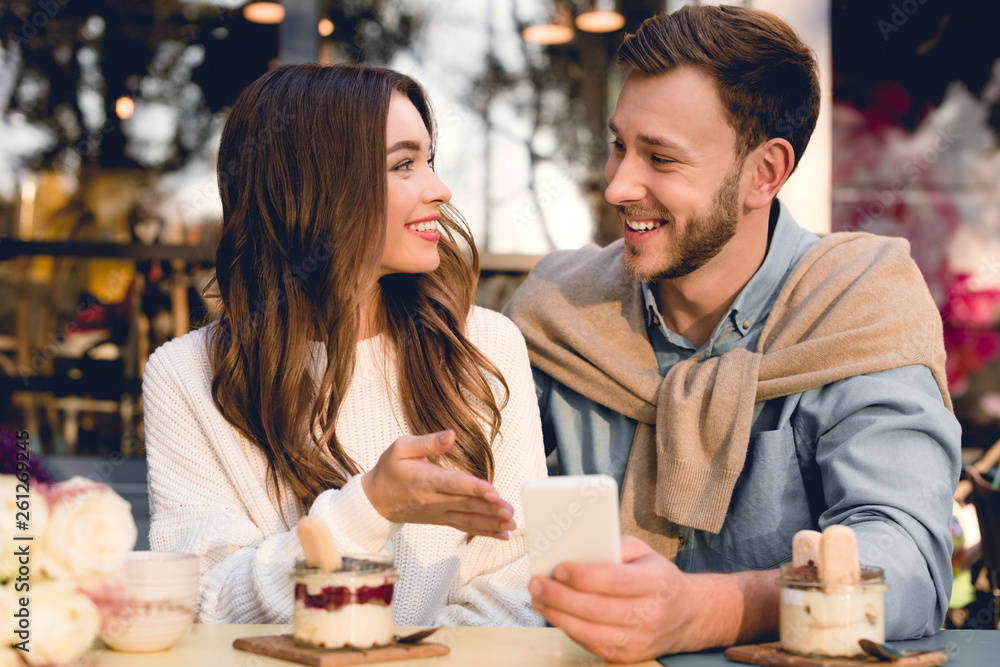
(828, 621)
(346, 608)
(828, 601)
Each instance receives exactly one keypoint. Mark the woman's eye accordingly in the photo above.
(405, 165)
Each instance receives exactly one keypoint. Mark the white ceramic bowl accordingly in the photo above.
(162, 592)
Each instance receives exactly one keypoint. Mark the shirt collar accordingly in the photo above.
(755, 296)
(782, 251)
(652, 310)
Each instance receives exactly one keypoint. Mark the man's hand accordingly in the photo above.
(647, 607)
(622, 613)
(405, 487)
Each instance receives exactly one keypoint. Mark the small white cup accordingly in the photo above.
(162, 592)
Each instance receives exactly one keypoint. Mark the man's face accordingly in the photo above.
(673, 173)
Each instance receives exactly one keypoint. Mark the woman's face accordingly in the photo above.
(415, 193)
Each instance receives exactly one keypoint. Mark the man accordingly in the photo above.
(740, 377)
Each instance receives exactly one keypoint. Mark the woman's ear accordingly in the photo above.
(771, 164)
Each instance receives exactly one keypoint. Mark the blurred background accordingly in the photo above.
(111, 112)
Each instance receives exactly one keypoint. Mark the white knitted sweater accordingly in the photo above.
(208, 496)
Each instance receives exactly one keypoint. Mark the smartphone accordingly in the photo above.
(571, 518)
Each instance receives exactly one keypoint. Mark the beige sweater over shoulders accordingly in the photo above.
(208, 496)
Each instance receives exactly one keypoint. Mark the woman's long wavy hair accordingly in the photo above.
(303, 178)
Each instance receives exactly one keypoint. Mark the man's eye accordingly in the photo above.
(661, 160)
(617, 145)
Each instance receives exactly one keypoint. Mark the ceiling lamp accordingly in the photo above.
(325, 27)
(267, 13)
(558, 30)
(600, 16)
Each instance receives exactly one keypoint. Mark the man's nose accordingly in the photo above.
(625, 185)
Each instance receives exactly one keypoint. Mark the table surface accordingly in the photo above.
(212, 645)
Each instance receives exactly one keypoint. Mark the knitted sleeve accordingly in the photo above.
(492, 585)
(207, 497)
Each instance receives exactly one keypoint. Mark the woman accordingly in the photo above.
(349, 376)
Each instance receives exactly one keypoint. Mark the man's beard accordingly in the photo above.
(703, 237)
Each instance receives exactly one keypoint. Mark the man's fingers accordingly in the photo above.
(601, 640)
(633, 548)
(616, 629)
(618, 580)
(631, 579)
(597, 608)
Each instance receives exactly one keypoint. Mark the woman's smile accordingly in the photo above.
(426, 228)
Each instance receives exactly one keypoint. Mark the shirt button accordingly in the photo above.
(656, 320)
(695, 359)
(680, 542)
(746, 323)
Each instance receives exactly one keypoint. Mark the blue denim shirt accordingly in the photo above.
(879, 453)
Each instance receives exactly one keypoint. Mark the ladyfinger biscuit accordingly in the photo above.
(805, 548)
(317, 545)
(838, 557)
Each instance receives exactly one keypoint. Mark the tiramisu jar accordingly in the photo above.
(346, 608)
(828, 620)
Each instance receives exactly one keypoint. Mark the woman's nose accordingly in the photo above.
(437, 191)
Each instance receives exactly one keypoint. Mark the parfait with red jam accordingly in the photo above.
(346, 608)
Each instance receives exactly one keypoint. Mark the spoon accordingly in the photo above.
(416, 636)
(889, 653)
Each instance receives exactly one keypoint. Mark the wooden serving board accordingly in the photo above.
(284, 648)
(773, 654)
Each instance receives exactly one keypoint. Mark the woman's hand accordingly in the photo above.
(407, 488)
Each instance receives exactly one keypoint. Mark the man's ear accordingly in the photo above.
(771, 164)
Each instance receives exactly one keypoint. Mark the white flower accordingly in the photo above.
(64, 623)
(89, 534)
(35, 508)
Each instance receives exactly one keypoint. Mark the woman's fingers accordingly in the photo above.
(451, 482)
(434, 476)
(405, 487)
(422, 446)
(427, 501)
(441, 504)
(478, 524)
(476, 506)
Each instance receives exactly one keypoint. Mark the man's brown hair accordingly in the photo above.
(766, 75)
